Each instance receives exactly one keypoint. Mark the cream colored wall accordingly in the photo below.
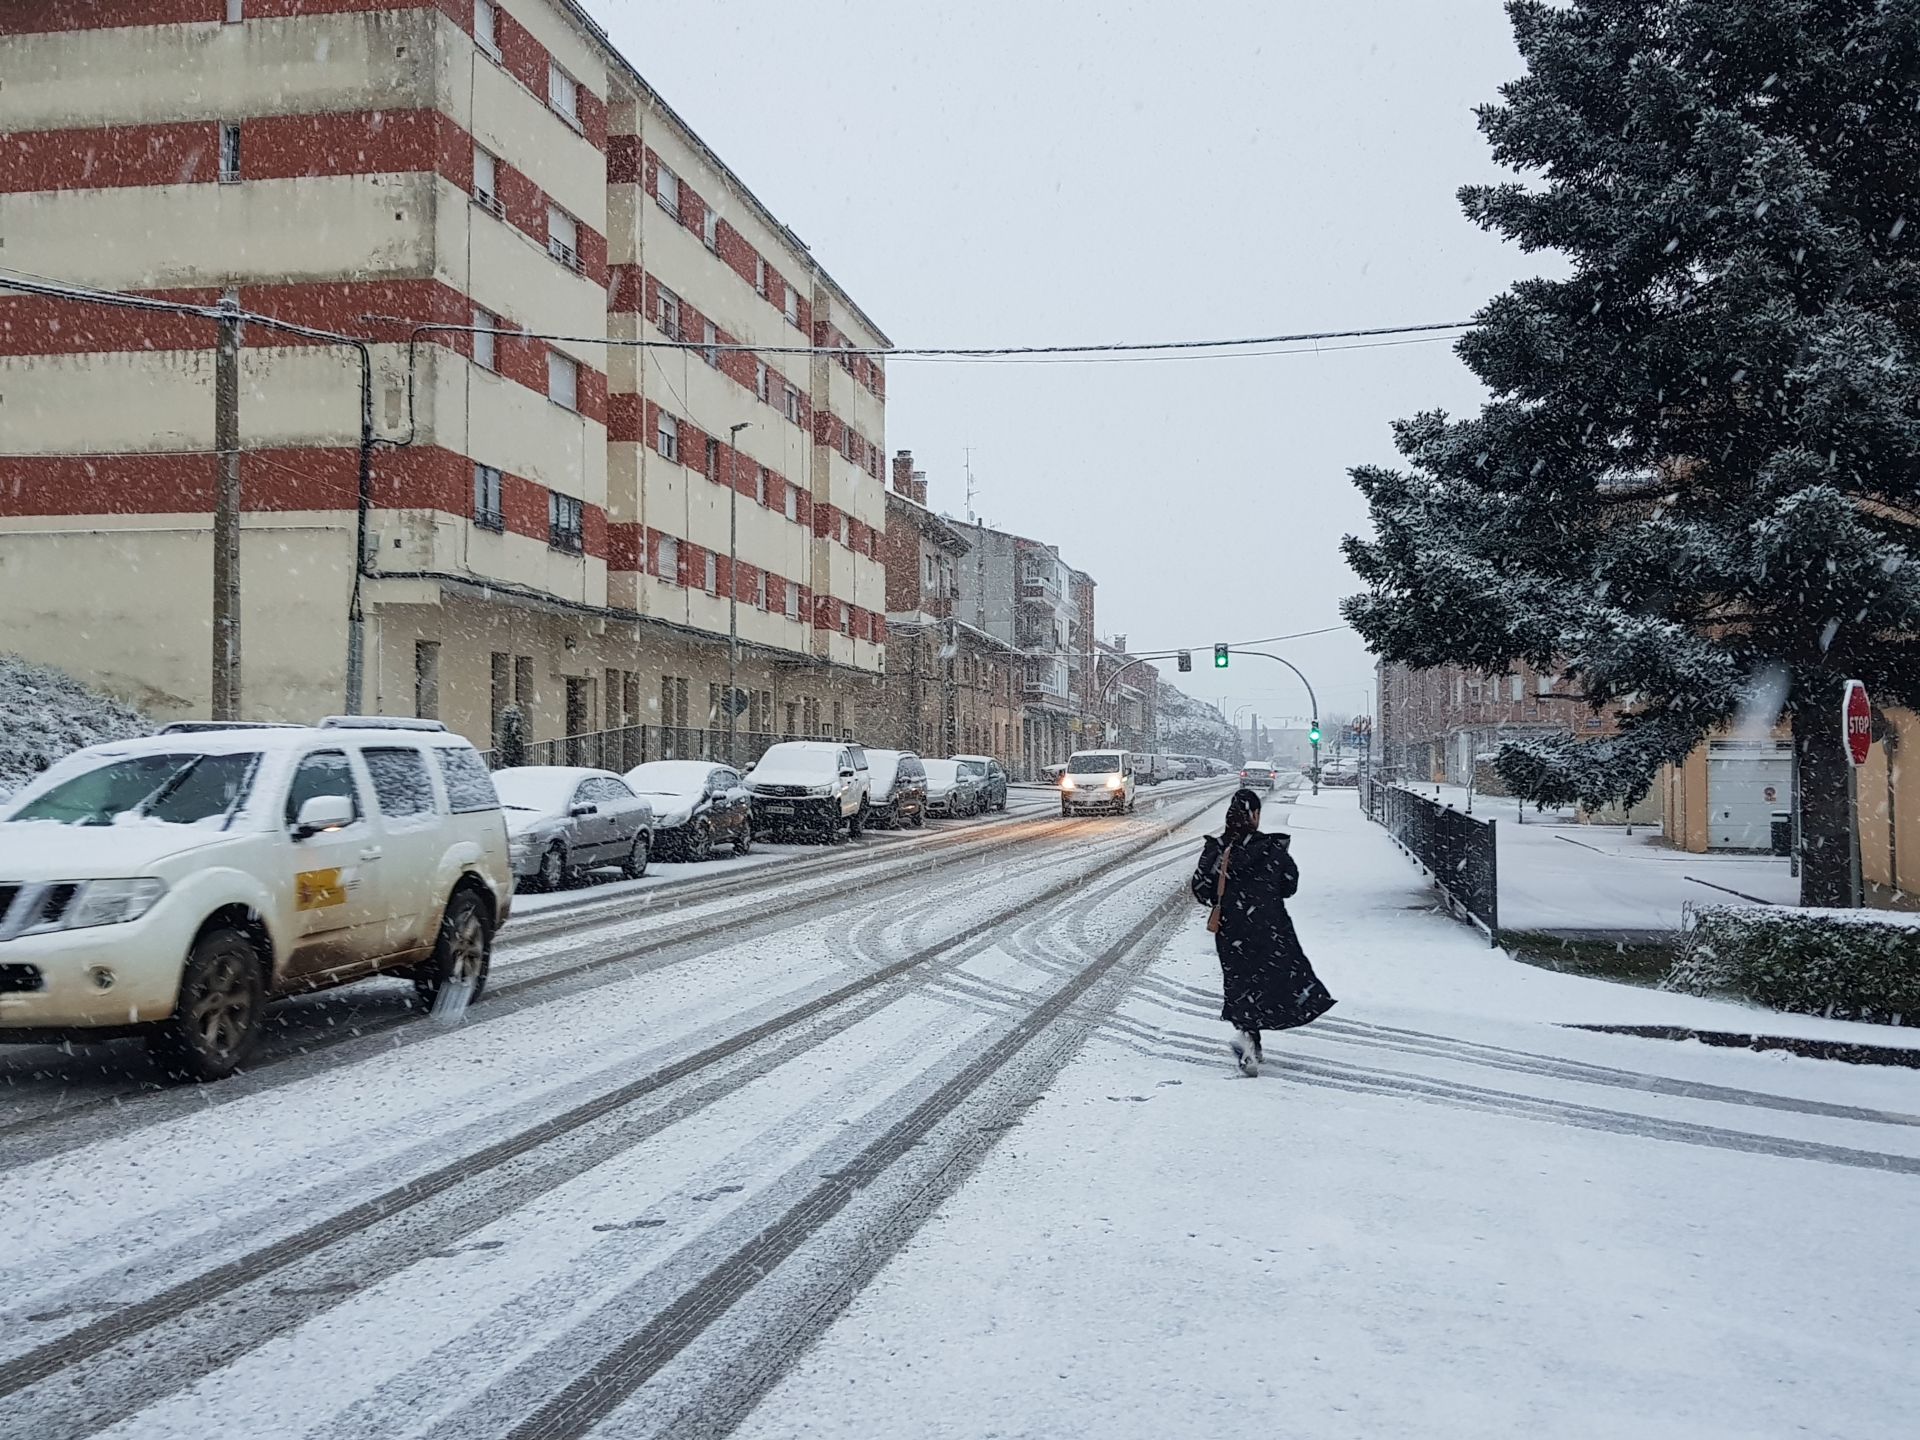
(522, 129)
(1890, 863)
(369, 60)
(140, 624)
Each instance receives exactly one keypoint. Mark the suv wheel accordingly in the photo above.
(553, 869)
(743, 842)
(699, 840)
(462, 954)
(216, 1022)
(635, 865)
(857, 822)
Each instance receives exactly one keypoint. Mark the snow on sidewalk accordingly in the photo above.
(1438, 1214)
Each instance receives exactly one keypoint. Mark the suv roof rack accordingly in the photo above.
(199, 727)
(380, 722)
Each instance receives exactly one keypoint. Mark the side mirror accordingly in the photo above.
(322, 813)
(846, 774)
(578, 810)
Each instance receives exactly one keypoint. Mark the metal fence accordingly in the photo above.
(632, 745)
(1458, 850)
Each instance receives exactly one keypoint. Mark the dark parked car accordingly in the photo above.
(563, 821)
(992, 778)
(696, 806)
(899, 795)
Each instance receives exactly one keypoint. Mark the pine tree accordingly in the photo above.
(1698, 475)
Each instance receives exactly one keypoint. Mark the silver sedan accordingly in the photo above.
(563, 821)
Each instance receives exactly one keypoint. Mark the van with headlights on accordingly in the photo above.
(1097, 781)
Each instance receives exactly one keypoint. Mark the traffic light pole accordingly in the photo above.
(1312, 699)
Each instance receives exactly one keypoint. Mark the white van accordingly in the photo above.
(1097, 780)
(170, 886)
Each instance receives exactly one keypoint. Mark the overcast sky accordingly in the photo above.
(1021, 173)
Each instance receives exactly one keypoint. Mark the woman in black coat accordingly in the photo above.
(1265, 978)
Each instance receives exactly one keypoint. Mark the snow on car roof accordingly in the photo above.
(277, 738)
(670, 777)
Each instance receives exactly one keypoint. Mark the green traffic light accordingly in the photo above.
(1314, 734)
(1220, 657)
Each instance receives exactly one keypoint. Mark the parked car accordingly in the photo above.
(817, 786)
(1257, 775)
(951, 790)
(1097, 780)
(1341, 772)
(696, 806)
(170, 886)
(899, 794)
(992, 778)
(563, 820)
(1149, 769)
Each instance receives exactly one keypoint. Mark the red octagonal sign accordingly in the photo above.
(1856, 722)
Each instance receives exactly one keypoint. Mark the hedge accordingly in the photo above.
(1848, 964)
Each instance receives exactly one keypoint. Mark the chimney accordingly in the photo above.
(919, 483)
(903, 473)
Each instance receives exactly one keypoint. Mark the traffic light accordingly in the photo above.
(1313, 733)
(1220, 653)
(1186, 661)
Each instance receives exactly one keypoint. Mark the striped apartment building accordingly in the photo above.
(548, 519)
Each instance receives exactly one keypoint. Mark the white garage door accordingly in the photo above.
(1748, 783)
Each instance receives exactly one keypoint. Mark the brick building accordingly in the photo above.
(548, 522)
(951, 687)
(1434, 724)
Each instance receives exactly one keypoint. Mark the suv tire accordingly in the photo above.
(217, 1020)
(635, 865)
(463, 950)
(743, 842)
(857, 822)
(699, 840)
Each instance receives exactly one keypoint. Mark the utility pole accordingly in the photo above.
(733, 591)
(226, 513)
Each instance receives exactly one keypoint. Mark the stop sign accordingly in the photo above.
(1856, 722)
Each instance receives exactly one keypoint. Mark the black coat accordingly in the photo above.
(1266, 980)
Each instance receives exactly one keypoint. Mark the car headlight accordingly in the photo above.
(1066, 782)
(83, 904)
(1113, 782)
(821, 790)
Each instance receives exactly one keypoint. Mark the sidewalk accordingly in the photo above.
(1563, 878)
(1437, 1214)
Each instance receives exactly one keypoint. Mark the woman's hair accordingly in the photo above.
(1243, 813)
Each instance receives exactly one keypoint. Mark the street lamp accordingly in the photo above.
(733, 590)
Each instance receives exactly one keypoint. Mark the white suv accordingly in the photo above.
(817, 785)
(170, 886)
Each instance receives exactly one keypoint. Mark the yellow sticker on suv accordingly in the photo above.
(317, 889)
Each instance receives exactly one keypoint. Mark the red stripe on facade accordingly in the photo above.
(184, 153)
(272, 481)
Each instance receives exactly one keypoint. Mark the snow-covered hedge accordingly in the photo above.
(46, 714)
(1850, 964)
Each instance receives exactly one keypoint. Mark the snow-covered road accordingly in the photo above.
(939, 1139)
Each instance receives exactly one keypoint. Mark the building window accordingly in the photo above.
(485, 27)
(710, 229)
(793, 503)
(713, 458)
(487, 513)
(760, 592)
(486, 181)
(563, 380)
(565, 515)
(1516, 687)
(667, 188)
(760, 276)
(760, 486)
(713, 573)
(669, 314)
(793, 613)
(236, 11)
(710, 337)
(426, 688)
(846, 626)
(563, 95)
(1545, 684)
(229, 154)
(484, 326)
(666, 564)
(667, 438)
(563, 237)
(793, 404)
(762, 380)
(790, 305)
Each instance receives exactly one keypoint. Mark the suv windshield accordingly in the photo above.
(178, 789)
(799, 762)
(1093, 764)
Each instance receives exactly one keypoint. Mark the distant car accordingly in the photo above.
(563, 821)
(171, 886)
(899, 791)
(696, 806)
(951, 791)
(1341, 773)
(1098, 780)
(992, 778)
(818, 786)
(1257, 775)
